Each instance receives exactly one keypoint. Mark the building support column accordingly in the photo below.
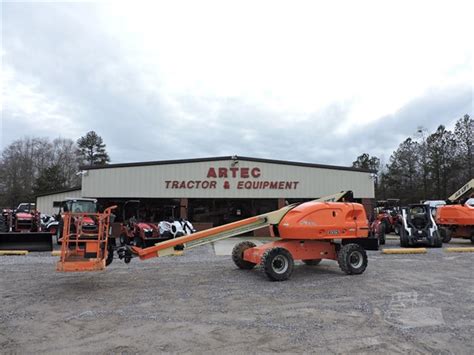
(281, 203)
(183, 208)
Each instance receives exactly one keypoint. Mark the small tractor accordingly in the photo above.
(418, 225)
(144, 234)
(20, 228)
(456, 219)
(389, 214)
(74, 205)
(310, 232)
(377, 231)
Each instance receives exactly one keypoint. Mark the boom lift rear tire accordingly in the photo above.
(312, 262)
(238, 255)
(277, 263)
(352, 259)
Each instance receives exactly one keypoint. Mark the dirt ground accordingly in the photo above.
(201, 302)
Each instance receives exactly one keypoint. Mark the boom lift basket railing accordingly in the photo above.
(84, 241)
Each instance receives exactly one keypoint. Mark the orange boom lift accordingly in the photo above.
(456, 220)
(311, 231)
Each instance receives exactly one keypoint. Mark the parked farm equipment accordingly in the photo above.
(134, 230)
(418, 226)
(20, 229)
(388, 212)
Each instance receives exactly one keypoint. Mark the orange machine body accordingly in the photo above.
(459, 219)
(324, 220)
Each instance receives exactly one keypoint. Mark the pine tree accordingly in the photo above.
(464, 132)
(50, 179)
(92, 149)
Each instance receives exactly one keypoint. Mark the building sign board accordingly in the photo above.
(245, 178)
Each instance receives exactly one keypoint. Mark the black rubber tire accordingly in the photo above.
(397, 228)
(238, 255)
(382, 235)
(277, 263)
(404, 243)
(437, 240)
(472, 237)
(124, 240)
(110, 255)
(386, 225)
(352, 259)
(3, 225)
(312, 262)
(445, 234)
(137, 241)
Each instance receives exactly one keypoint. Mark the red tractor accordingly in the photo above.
(20, 228)
(135, 231)
(388, 212)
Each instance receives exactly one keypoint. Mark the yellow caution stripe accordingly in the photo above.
(56, 253)
(405, 251)
(13, 252)
(460, 250)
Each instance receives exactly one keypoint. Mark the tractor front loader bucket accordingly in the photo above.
(31, 241)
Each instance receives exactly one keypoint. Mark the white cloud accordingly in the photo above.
(299, 56)
(174, 79)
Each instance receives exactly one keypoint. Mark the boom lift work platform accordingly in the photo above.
(85, 243)
(311, 231)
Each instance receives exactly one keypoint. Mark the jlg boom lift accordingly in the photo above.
(456, 220)
(311, 231)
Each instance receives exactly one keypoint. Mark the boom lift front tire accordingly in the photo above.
(277, 263)
(312, 262)
(238, 255)
(352, 259)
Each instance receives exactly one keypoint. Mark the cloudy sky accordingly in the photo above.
(314, 81)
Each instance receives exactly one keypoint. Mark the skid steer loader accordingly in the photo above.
(418, 226)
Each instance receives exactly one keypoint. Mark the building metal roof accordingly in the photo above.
(224, 158)
(59, 191)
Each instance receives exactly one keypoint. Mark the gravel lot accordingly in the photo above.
(200, 302)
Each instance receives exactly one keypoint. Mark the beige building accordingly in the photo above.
(220, 189)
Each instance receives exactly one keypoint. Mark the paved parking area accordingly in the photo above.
(201, 302)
